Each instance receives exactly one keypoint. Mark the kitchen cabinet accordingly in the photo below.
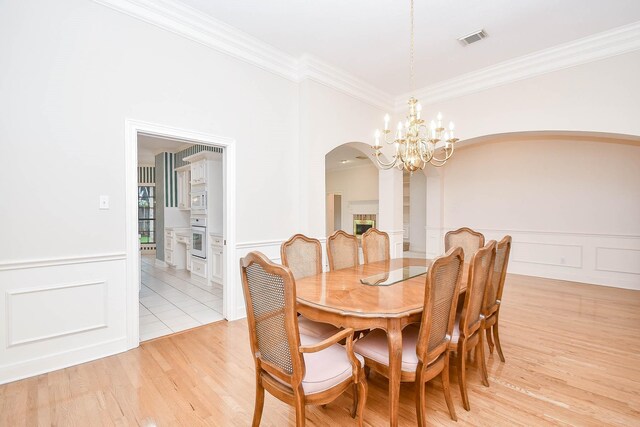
(177, 245)
(199, 172)
(217, 258)
(184, 187)
(199, 267)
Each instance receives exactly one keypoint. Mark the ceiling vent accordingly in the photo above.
(476, 36)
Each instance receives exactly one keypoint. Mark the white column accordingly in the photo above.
(435, 217)
(390, 208)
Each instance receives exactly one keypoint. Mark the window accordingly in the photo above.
(147, 213)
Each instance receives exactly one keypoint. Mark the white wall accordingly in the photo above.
(417, 212)
(359, 189)
(73, 72)
(600, 96)
(328, 119)
(572, 205)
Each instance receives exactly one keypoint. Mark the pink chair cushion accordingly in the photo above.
(316, 329)
(324, 369)
(375, 347)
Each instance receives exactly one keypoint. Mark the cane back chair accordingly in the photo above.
(468, 331)
(470, 241)
(303, 256)
(342, 249)
(296, 369)
(375, 245)
(494, 295)
(425, 347)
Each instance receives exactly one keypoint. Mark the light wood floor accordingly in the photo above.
(572, 350)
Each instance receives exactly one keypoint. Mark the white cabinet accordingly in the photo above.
(199, 172)
(184, 187)
(199, 267)
(177, 243)
(217, 259)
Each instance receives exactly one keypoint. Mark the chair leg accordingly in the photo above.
(482, 362)
(489, 339)
(462, 375)
(299, 405)
(421, 402)
(447, 389)
(496, 337)
(362, 399)
(257, 411)
(354, 408)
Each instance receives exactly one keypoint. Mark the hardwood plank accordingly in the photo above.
(572, 358)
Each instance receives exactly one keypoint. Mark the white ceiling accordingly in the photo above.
(150, 146)
(345, 157)
(370, 38)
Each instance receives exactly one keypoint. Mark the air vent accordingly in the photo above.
(476, 36)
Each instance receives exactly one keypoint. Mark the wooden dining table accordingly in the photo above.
(341, 299)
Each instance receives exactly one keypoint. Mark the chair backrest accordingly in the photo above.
(342, 249)
(470, 241)
(303, 255)
(495, 288)
(270, 299)
(375, 245)
(440, 300)
(480, 272)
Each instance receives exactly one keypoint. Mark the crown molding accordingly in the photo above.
(588, 49)
(201, 28)
(314, 69)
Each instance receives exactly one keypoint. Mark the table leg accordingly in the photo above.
(394, 340)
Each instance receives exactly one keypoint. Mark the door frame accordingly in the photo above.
(132, 129)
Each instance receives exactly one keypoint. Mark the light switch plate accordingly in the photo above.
(104, 202)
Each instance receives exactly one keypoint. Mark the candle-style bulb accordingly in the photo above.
(451, 126)
(439, 116)
(386, 121)
(433, 125)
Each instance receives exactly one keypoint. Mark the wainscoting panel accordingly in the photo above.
(53, 303)
(548, 254)
(60, 313)
(618, 260)
(601, 259)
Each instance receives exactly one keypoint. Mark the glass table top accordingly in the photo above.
(394, 276)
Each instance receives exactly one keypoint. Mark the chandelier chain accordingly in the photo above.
(411, 52)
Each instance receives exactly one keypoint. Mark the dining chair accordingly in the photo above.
(470, 241)
(375, 245)
(303, 256)
(296, 369)
(468, 329)
(342, 249)
(494, 295)
(425, 348)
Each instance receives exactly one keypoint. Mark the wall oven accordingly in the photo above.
(199, 237)
(199, 201)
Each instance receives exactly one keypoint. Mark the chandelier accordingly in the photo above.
(416, 144)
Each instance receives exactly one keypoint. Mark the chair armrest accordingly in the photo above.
(345, 333)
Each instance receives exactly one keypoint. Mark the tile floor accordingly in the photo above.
(172, 301)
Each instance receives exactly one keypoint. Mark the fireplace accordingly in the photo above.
(362, 223)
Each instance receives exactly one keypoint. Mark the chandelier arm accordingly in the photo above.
(448, 154)
(384, 165)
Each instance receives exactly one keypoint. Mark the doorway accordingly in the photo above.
(168, 286)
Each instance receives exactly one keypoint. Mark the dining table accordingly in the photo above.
(386, 295)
